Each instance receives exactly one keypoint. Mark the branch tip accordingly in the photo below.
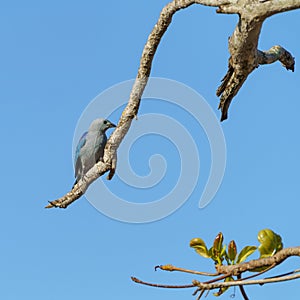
(157, 267)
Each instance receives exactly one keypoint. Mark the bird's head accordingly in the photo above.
(101, 125)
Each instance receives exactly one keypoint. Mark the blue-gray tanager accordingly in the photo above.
(90, 147)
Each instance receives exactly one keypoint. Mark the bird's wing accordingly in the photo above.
(99, 148)
(77, 161)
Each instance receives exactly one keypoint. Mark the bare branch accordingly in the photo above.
(276, 259)
(132, 107)
(171, 268)
(225, 271)
(203, 286)
(276, 53)
(244, 59)
(242, 290)
(261, 272)
(279, 6)
(216, 285)
(165, 286)
(245, 56)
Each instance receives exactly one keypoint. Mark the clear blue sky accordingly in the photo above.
(56, 56)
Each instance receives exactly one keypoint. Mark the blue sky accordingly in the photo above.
(56, 57)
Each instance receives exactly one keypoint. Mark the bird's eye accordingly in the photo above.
(105, 122)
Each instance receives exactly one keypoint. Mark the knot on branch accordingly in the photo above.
(241, 64)
(277, 53)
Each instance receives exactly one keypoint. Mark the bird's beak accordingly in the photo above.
(111, 125)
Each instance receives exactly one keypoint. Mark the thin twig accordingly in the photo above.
(285, 274)
(260, 273)
(200, 295)
(217, 285)
(172, 268)
(166, 286)
(243, 292)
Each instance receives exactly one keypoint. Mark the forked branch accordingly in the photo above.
(228, 271)
(245, 57)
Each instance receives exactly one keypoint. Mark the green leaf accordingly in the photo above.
(223, 252)
(200, 247)
(218, 250)
(270, 242)
(215, 255)
(232, 250)
(218, 242)
(246, 251)
(210, 252)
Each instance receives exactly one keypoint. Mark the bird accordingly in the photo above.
(90, 147)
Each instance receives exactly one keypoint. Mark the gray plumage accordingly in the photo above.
(90, 147)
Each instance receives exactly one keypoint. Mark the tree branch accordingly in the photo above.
(244, 59)
(132, 107)
(276, 259)
(165, 286)
(276, 53)
(216, 285)
(203, 286)
(226, 271)
(172, 268)
(242, 290)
